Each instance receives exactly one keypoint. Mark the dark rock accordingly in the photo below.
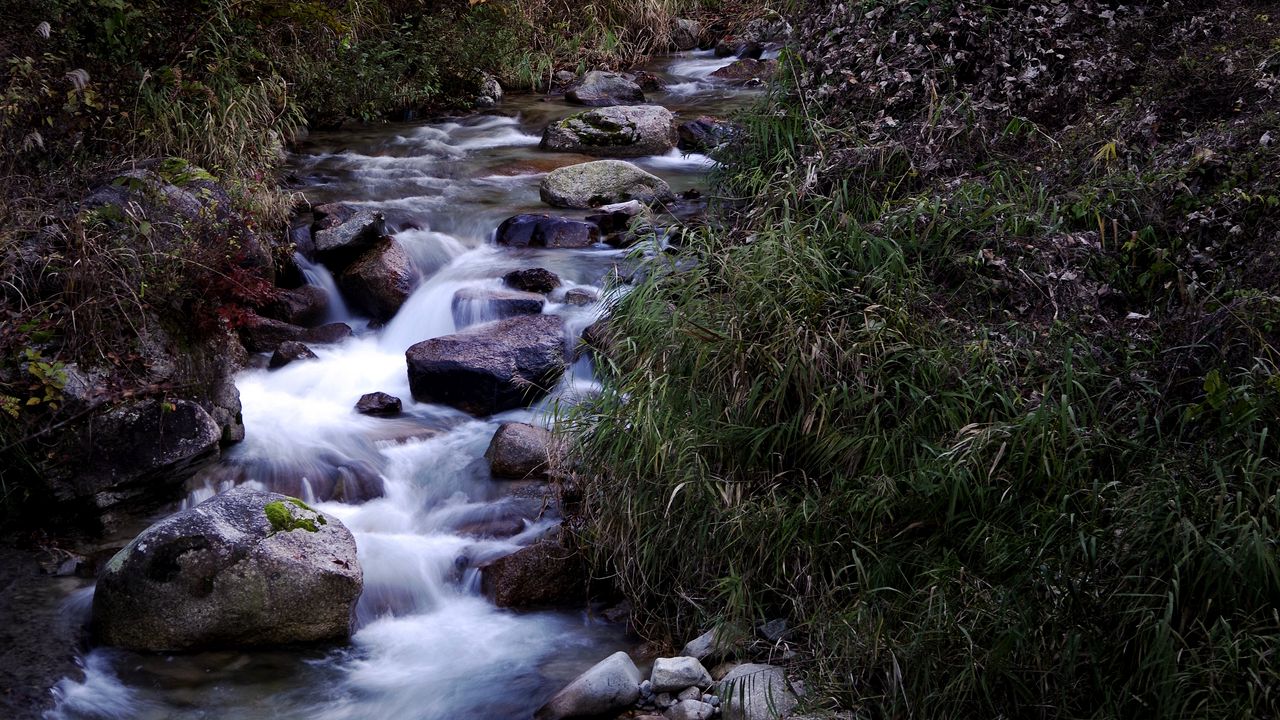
(380, 404)
(265, 335)
(647, 81)
(685, 34)
(726, 48)
(288, 352)
(490, 368)
(744, 71)
(599, 89)
(750, 50)
(243, 569)
(519, 451)
(339, 245)
(380, 280)
(632, 131)
(331, 215)
(331, 333)
(300, 236)
(306, 305)
(472, 306)
(546, 231)
(543, 574)
(598, 337)
(579, 296)
(539, 280)
(704, 134)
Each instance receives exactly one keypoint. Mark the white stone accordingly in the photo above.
(690, 710)
(676, 674)
(610, 685)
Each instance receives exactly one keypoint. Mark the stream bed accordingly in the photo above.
(428, 644)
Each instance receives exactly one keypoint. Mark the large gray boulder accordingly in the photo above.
(677, 673)
(520, 451)
(617, 131)
(492, 367)
(380, 280)
(756, 692)
(243, 569)
(599, 89)
(603, 182)
(609, 686)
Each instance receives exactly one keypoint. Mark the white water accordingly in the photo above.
(428, 644)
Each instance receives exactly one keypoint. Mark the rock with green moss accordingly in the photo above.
(603, 182)
(622, 131)
(243, 569)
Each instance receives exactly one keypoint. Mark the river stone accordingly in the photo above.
(492, 367)
(543, 574)
(598, 89)
(330, 215)
(306, 305)
(677, 673)
(579, 297)
(261, 334)
(609, 686)
(223, 574)
(381, 280)
(379, 404)
(331, 333)
(529, 230)
(538, 280)
(520, 451)
(755, 692)
(746, 70)
(473, 305)
(705, 133)
(707, 646)
(685, 34)
(613, 132)
(288, 352)
(690, 710)
(337, 245)
(603, 182)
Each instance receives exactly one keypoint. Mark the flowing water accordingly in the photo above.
(428, 644)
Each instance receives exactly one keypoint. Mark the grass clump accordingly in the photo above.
(975, 411)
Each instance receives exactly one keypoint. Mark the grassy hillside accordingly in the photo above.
(979, 391)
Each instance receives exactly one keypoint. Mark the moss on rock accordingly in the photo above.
(283, 518)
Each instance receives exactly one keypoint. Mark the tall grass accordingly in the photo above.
(960, 515)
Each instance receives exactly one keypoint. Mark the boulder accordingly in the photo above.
(519, 451)
(289, 351)
(677, 673)
(707, 646)
(306, 305)
(146, 448)
(755, 692)
(647, 81)
(598, 89)
(543, 574)
(617, 218)
(243, 569)
(261, 334)
(611, 685)
(546, 231)
(726, 48)
(747, 70)
(685, 34)
(379, 404)
(564, 78)
(491, 90)
(620, 131)
(538, 280)
(330, 215)
(579, 296)
(338, 245)
(380, 281)
(750, 50)
(603, 182)
(472, 305)
(704, 134)
(492, 367)
(331, 333)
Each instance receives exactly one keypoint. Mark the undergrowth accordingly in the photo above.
(997, 436)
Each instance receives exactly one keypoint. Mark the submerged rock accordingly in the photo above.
(379, 404)
(603, 182)
(476, 305)
(381, 280)
(614, 132)
(490, 368)
(243, 569)
(539, 280)
(529, 230)
(598, 89)
(520, 451)
(609, 686)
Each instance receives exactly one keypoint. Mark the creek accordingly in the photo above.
(428, 644)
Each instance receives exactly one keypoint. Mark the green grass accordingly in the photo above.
(836, 415)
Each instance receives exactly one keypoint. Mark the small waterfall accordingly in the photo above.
(318, 275)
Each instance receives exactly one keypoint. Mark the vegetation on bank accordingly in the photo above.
(980, 390)
(205, 96)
